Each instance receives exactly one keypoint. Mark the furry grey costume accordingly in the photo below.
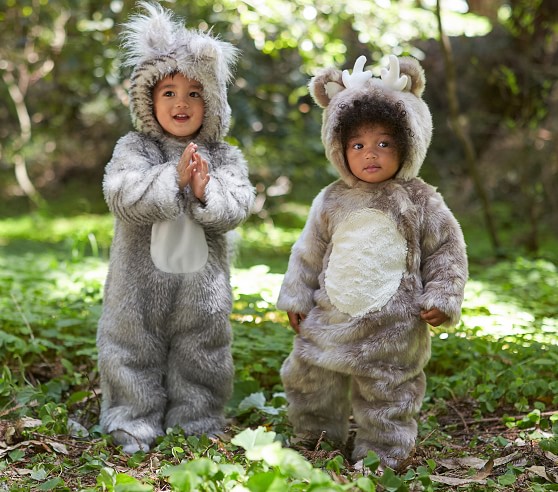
(163, 337)
(370, 258)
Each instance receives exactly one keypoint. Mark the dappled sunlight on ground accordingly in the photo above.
(488, 314)
(257, 280)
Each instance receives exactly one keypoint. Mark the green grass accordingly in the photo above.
(492, 388)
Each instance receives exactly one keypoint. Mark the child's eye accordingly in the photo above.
(195, 94)
(383, 144)
(357, 146)
(168, 94)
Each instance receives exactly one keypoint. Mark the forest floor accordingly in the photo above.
(489, 419)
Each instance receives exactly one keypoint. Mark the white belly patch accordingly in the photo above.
(367, 263)
(178, 246)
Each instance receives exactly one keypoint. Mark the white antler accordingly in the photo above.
(359, 77)
(390, 76)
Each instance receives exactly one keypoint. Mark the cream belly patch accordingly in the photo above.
(367, 263)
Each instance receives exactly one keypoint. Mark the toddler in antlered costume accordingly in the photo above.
(380, 256)
(175, 189)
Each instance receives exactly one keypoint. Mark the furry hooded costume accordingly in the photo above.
(370, 258)
(164, 334)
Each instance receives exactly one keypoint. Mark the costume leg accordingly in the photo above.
(385, 415)
(131, 368)
(199, 375)
(318, 399)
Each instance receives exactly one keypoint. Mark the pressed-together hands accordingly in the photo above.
(433, 317)
(193, 170)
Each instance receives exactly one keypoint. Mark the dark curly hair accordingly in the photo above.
(373, 111)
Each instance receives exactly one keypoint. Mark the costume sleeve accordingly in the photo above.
(444, 259)
(229, 194)
(306, 262)
(139, 187)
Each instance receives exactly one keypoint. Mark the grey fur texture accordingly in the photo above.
(164, 339)
(370, 363)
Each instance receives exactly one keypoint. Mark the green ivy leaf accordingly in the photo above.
(126, 483)
(507, 478)
(392, 482)
(366, 484)
(51, 484)
(257, 401)
(248, 439)
(267, 482)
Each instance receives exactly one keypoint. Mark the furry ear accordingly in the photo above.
(325, 85)
(415, 73)
(148, 35)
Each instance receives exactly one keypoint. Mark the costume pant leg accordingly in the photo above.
(200, 375)
(131, 366)
(318, 399)
(385, 415)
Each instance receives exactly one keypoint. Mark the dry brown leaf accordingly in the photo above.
(455, 481)
(58, 447)
(476, 463)
(486, 470)
(29, 423)
(540, 471)
(507, 459)
(465, 463)
(19, 445)
(23, 471)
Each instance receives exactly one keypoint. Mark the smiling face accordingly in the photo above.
(178, 105)
(371, 153)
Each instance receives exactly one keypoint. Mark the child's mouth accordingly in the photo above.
(181, 117)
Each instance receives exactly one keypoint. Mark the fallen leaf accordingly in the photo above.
(455, 481)
(540, 471)
(485, 471)
(29, 423)
(507, 459)
(466, 462)
(59, 447)
(19, 445)
(23, 471)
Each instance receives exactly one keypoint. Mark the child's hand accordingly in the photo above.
(295, 319)
(186, 165)
(200, 177)
(434, 316)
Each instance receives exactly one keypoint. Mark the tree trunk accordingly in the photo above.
(459, 128)
(20, 166)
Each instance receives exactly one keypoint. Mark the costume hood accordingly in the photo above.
(402, 84)
(157, 44)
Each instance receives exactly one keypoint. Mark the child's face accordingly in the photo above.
(371, 154)
(178, 105)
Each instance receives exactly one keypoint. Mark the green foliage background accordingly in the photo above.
(489, 421)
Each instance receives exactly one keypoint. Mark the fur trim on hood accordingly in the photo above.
(157, 44)
(402, 85)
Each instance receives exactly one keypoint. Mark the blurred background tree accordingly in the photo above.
(65, 101)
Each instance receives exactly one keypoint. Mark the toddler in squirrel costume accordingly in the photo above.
(175, 189)
(380, 256)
